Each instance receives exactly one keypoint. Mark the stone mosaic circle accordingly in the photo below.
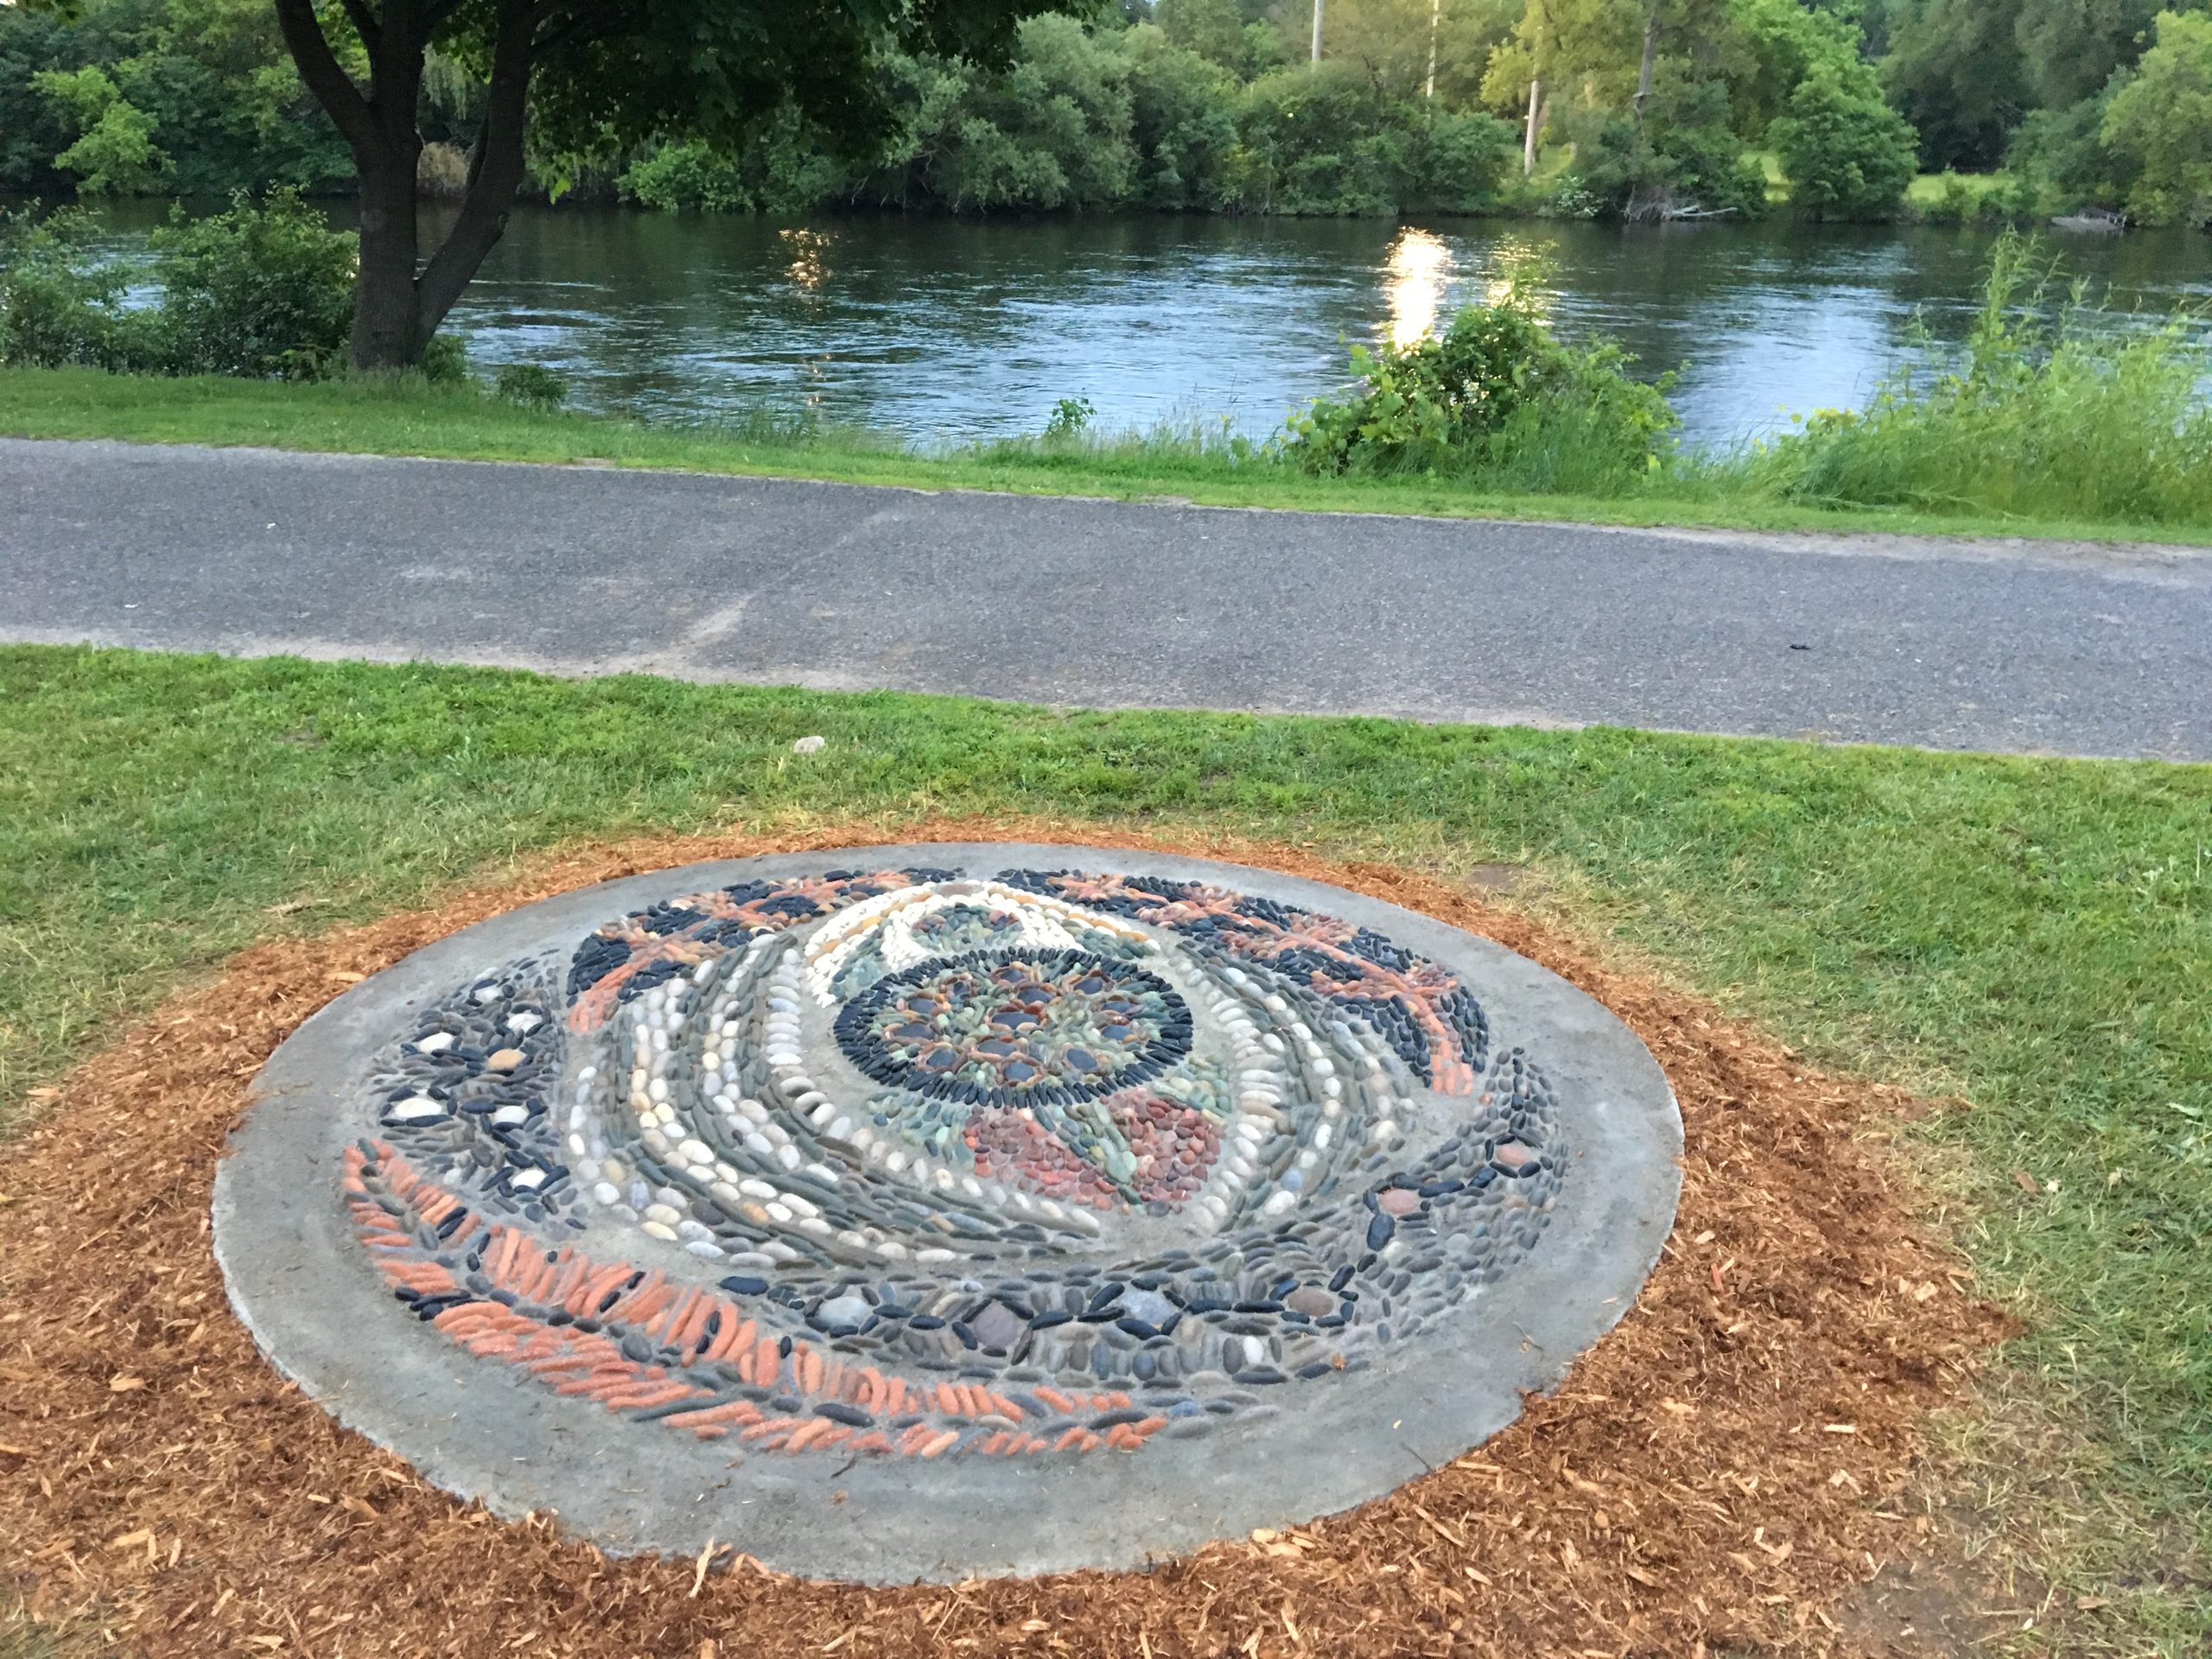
(1047, 1206)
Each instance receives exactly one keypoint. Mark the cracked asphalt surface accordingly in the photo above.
(2016, 646)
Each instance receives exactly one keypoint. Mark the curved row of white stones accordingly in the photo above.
(1044, 924)
(659, 1018)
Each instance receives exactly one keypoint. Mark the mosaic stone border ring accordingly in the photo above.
(933, 1212)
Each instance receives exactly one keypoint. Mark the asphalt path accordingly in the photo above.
(2024, 647)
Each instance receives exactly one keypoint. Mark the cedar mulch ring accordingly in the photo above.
(1712, 1477)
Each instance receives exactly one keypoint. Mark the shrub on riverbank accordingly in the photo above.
(1496, 397)
(264, 290)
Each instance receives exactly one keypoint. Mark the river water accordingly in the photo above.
(940, 329)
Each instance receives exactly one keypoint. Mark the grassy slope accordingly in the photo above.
(2035, 935)
(413, 420)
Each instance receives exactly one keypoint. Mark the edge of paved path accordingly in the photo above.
(2071, 553)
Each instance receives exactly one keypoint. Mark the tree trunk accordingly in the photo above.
(387, 314)
(399, 301)
(496, 167)
(1535, 121)
(1650, 57)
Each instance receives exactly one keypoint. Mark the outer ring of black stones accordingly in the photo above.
(1165, 1050)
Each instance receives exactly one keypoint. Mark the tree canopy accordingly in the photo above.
(1641, 107)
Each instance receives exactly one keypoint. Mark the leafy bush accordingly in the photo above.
(264, 290)
(2060, 156)
(1315, 140)
(2086, 416)
(532, 384)
(1458, 163)
(59, 303)
(1093, 116)
(445, 361)
(778, 173)
(1071, 417)
(1847, 153)
(1497, 395)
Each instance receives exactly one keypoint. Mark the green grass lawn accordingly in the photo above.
(2033, 937)
(1928, 188)
(408, 418)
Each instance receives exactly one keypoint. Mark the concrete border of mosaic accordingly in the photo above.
(298, 1277)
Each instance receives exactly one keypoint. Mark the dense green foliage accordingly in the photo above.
(184, 97)
(1097, 118)
(1849, 155)
(2160, 123)
(1498, 396)
(264, 290)
(1211, 106)
(2103, 103)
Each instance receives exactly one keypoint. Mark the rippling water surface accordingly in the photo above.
(941, 329)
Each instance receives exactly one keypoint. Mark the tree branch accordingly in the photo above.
(364, 23)
(327, 77)
(495, 170)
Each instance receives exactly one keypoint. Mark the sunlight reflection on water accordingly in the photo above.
(948, 329)
(1419, 267)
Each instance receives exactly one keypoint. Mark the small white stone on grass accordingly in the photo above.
(809, 745)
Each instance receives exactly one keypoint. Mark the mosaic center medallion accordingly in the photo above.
(1072, 1205)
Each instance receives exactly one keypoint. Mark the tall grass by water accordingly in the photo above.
(2073, 413)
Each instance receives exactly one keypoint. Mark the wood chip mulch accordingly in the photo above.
(1711, 1478)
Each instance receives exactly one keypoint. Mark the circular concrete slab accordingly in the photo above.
(929, 1211)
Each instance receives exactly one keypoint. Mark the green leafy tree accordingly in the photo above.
(2162, 118)
(2063, 161)
(1458, 162)
(1183, 123)
(2070, 49)
(776, 172)
(1392, 41)
(34, 129)
(1683, 155)
(1590, 49)
(1847, 153)
(1212, 28)
(1052, 130)
(1317, 140)
(221, 104)
(1768, 46)
(581, 78)
(114, 153)
(1956, 71)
